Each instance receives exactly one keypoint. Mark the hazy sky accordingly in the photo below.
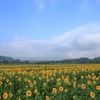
(50, 29)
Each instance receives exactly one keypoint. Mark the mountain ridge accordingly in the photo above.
(81, 60)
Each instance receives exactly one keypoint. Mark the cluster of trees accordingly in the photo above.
(9, 60)
(72, 61)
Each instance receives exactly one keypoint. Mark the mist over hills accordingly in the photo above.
(6, 58)
(82, 60)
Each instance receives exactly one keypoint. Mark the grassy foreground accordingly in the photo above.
(50, 82)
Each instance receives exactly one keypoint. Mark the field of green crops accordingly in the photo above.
(50, 82)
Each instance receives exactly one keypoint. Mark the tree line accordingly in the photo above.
(10, 60)
(83, 60)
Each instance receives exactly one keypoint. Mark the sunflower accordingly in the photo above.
(25, 79)
(35, 91)
(10, 83)
(65, 90)
(47, 97)
(54, 90)
(94, 82)
(83, 86)
(10, 94)
(5, 95)
(0, 82)
(19, 98)
(97, 87)
(19, 79)
(61, 88)
(31, 84)
(34, 82)
(28, 93)
(7, 80)
(66, 80)
(29, 81)
(88, 82)
(92, 94)
(82, 77)
(44, 84)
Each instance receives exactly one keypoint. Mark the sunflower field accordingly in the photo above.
(50, 82)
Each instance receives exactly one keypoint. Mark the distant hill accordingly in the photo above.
(82, 60)
(5, 58)
(10, 60)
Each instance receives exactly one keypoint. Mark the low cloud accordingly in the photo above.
(83, 41)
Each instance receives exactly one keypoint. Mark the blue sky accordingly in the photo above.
(49, 29)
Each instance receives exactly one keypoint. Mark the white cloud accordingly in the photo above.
(85, 5)
(83, 41)
(40, 4)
